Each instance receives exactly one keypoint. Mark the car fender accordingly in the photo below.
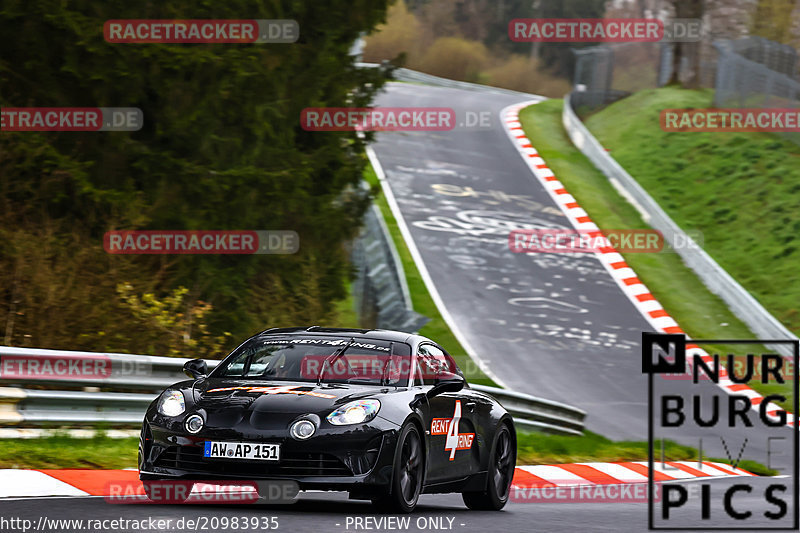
(491, 422)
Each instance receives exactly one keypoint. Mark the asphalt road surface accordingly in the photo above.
(553, 325)
(324, 513)
(556, 327)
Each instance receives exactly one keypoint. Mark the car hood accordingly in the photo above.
(278, 397)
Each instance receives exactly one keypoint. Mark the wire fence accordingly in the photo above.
(605, 73)
(779, 57)
(748, 72)
(744, 82)
(757, 73)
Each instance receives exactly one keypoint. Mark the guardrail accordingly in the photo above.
(380, 288)
(741, 302)
(22, 406)
(535, 414)
(25, 408)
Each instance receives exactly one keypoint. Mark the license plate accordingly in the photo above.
(242, 450)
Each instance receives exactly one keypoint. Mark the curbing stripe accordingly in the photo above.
(21, 483)
(556, 475)
(77, 482)
(617, 473)
(94, 482)
(590, 473)
(622, 274)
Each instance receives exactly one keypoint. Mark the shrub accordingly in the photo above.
(454, 58)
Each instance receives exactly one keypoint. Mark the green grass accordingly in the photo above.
(699, 312)
(437, 329)
(102, 452)
(742, 190)
(345, 310)
(537, 448)
(68, 452)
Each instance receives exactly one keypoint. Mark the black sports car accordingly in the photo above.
(381, 414)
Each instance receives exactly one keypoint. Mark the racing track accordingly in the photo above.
(553, 325)
(328, 513)
(557, 327)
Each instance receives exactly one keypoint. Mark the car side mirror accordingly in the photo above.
(446, 382)
(196, 368)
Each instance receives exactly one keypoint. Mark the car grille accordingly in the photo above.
(291, 464)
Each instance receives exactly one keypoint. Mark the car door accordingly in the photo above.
(451, 429)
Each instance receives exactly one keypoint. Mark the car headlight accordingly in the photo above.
(356, 412)
(171, 403)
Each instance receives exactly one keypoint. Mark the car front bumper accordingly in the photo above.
(333, 459)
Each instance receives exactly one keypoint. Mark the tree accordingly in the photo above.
(686, 9)
(773, 20)
(221, 148)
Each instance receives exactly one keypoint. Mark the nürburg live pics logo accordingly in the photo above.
(729, 399)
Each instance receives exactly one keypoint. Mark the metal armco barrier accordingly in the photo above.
(23, 406)
(741, 302)
(535, 414)
(380, 285)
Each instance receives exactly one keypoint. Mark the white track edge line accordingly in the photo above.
(423, 270)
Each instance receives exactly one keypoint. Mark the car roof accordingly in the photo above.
(378, 334)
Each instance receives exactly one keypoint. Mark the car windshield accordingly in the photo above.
(364, 361)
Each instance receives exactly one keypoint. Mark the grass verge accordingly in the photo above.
(740, 190)
(58, 451)
(437, 329)
(537, 448)
(102, 452)
(345, 311)
(699, 312)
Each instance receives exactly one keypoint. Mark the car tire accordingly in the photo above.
(407, 474)
(500, 473)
